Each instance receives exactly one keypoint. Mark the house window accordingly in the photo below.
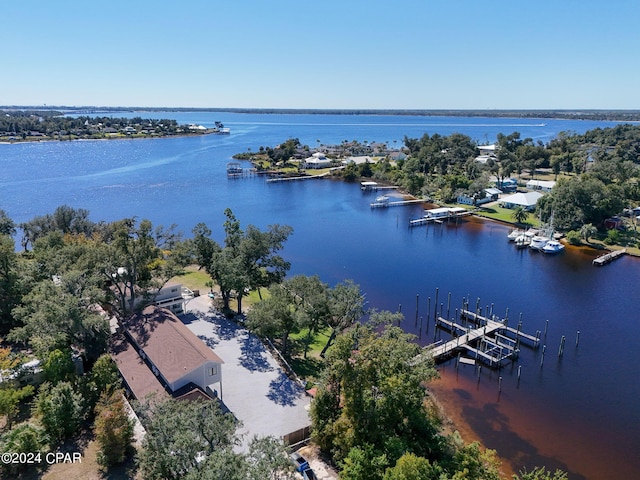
(213, 371)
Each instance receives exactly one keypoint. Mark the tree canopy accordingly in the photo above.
(248, 260)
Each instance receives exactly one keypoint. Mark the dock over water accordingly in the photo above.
(489, 340)
(609, 257)
(399, 203)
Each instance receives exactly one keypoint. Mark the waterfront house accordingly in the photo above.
(317, 160)
(157, 354)
(527, 200)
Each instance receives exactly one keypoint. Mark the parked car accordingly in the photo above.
(308, 474)
(299, 462)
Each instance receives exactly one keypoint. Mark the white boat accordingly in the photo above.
(514, 234)
(553, 246)
(538, 242)
(382, 199)
(522, 241)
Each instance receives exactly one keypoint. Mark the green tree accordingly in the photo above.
(58, 367)
(7, 226)
(9, 288)
(373, 378)
(412, 467)
(23, 438)
(60, 316)
(587, 231)
(103, 379)
(520, 215)
(346, 306)
(275, 317)
(310, 297)
(581, 200)
(249, 260)
(472, 462)
(60, 409)
(138, 262)
(113, 429)
(363, 463)
(10, 399)
(181, 436)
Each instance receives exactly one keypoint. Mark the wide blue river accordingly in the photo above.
(579, 412)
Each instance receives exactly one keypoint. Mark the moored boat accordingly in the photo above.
(553, 246)
(538, 242)
(514, 234)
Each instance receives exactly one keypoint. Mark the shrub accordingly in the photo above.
(613, 237)
(574, 238)
(60, 409)
(113, 429)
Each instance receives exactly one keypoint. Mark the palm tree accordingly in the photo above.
(520, 214)
(587, 231)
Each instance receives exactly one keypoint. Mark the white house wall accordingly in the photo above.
(200, 377)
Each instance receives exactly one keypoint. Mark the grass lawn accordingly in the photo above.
(194, 279)
(505, 215)
(308, 368)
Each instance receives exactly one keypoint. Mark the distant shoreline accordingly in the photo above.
(616, 115)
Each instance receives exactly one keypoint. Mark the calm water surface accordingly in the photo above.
(579, 412)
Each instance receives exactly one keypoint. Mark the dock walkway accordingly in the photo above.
(489, 340)
(396, 204)
(609, 257)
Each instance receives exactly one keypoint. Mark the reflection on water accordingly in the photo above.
(578, 412)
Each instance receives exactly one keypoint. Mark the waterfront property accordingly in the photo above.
(527, 200)
(317, 160)
(156, 353)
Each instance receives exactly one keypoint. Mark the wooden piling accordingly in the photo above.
(577, 338)
(561, 349)
(546, 327)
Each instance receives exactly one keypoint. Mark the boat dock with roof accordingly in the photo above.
(439, 215)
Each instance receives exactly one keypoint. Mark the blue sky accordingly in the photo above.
(404, 54)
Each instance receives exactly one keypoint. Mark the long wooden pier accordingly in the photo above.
(293, 179)
(399, 203)
(609, 257)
